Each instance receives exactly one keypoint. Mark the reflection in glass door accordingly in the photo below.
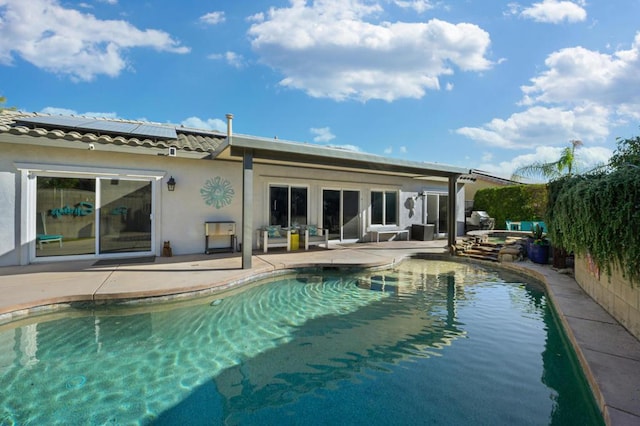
(125, 216)
(341, 214)
(331, 212)
(71, 212)
(65, 216)
(350, 215)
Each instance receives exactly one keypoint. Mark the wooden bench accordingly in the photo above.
(396, 231)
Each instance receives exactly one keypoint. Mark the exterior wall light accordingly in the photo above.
(171, 184)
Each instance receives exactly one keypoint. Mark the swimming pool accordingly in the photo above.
(426, 342)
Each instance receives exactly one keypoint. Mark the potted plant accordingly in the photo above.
(539, 247)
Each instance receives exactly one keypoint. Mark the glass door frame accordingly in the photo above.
(341, 191)
(438, 232)
(289, 187)
(100, 240)
(28, 176)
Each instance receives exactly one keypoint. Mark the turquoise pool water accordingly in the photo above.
(428, 342)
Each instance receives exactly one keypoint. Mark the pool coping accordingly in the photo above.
(608, 354)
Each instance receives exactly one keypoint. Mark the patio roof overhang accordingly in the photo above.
(277, 152)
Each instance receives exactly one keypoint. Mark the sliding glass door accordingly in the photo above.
(125, 216)
(437, 208)
(341, 213)
(65, 216)
(287, 206)
(85, 216)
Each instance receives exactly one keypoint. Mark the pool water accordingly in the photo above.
(427, 342)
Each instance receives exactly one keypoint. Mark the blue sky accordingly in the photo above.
(481, 84)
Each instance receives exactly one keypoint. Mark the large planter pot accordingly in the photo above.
(528, 245)
(539, 253)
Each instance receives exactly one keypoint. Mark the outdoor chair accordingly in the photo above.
(45, 238)
(314, 236)
(274, 236)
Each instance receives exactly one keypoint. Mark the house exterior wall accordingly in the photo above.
(615, 294)
(179, 216)
(185, 210)
(410, 210)
(471, 188)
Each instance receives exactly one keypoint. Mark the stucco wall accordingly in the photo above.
(180, 215)
(8, 216)
(614, 294)
(410, 211)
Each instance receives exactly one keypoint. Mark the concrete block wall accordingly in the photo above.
(614, 293)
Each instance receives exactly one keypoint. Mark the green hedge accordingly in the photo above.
(599, 215)
(516, 202)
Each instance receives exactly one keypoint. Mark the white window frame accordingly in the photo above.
(28, 182)
(384, 208)
(289, 186)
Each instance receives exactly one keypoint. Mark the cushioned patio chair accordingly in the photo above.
(274, 236)
(314, 236)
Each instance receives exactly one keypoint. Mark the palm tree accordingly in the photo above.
(552, 170)
(3, 100)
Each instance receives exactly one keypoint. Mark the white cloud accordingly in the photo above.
(580, 95)
(67, 111)
(58, 111)
(323, 134)
(487, 156)
(403, 149)
(346, 147)
(388, 150)
(419, 6)
(587, 158)
(213, 18)
(577, 75)
(66, 41)
(336, 49)
(207, 124)
(551, 11)
(542, 125)
(232, 58)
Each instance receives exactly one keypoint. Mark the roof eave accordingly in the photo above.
(269, 150)
(98, 146)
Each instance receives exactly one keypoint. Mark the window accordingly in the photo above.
(287, 206)
(384, 208)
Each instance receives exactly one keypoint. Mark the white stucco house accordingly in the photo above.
(81, 187)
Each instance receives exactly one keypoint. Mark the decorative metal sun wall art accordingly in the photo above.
(217, 192)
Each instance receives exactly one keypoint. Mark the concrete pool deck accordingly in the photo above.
(609, 354)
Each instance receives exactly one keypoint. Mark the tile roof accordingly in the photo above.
(193, 140)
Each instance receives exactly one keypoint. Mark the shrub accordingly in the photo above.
(516, 202)
(599, 214)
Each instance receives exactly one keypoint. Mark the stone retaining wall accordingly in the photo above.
(614, 294)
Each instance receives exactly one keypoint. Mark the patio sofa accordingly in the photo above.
(274, 236)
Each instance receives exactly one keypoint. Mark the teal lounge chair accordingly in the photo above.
(45, 238)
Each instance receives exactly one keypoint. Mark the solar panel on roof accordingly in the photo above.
(65, 122)
(103, 126)
(157, 131)
(109, 126)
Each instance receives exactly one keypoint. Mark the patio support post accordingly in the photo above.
(247, 208)
(452, 224)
